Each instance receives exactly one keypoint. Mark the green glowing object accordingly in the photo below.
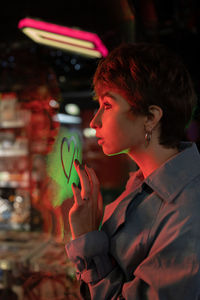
(55, 168)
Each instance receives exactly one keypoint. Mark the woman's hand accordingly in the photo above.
(87, 210)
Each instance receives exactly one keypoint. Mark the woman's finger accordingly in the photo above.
(94, 181)
(100, 203)
(96, 191)
(96, 194)
(77, 195)
(84, 180)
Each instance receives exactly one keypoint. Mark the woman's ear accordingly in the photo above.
(153, 119)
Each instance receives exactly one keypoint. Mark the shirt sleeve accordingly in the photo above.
(164, 274)
(170, 270)
(95, 267)
(89, 253)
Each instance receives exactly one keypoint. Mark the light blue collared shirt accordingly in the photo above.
(149, 244)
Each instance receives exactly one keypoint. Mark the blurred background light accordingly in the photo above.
(66, 119)
(53, 103)
(72, 109)
(89, 132)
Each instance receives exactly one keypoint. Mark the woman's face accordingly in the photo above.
(117, 127)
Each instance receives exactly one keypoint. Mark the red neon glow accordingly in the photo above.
(65, 31)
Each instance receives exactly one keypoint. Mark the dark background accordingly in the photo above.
(177, 23)
(174, 23)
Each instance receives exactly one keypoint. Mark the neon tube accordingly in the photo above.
(65, 38)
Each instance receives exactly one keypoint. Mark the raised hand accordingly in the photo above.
(87, 210)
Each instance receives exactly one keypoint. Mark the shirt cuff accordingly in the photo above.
(90, 254)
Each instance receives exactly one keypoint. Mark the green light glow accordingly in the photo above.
(121, 152)
(55, 169)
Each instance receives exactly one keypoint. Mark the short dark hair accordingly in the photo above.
(150, 74)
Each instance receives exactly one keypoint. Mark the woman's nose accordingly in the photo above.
(96, 121)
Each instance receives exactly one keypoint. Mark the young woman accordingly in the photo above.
(149, 244)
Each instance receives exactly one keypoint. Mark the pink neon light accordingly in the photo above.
(66, 31)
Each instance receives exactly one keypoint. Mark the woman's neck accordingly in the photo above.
(152, 157)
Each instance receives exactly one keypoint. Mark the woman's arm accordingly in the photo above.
(169, 271)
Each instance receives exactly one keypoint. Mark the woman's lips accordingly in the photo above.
(100, 141)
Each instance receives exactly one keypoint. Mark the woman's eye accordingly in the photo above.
(107, 105)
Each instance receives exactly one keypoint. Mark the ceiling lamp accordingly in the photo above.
(64, 38)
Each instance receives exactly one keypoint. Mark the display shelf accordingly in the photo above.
(14, 184)
(14, 180)
(19, 247)
(12, 124)
(38, 264)
(15, 162)
(13, 152)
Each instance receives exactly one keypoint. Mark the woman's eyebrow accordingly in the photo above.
(109, 94)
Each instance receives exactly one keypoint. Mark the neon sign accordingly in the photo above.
(65, 38)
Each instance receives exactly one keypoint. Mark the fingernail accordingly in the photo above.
(77, 162)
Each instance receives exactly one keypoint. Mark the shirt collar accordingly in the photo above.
(168, 180)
